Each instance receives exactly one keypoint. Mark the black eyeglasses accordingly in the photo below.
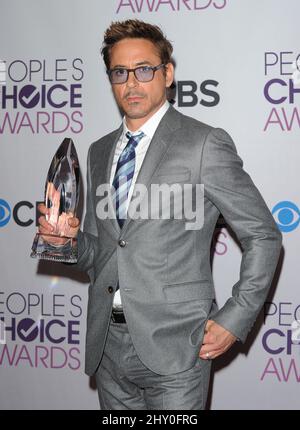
(142, 74)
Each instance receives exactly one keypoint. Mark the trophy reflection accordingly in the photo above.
(61, 198)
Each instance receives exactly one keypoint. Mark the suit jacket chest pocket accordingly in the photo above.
(172, 177)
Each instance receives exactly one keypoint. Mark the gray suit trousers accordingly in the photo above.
(124, 382)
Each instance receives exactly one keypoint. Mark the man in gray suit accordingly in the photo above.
(152, 323)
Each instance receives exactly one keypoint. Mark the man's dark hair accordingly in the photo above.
(133, 29)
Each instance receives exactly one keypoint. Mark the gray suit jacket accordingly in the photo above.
(164, 269)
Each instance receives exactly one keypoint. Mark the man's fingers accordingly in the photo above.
(209, 338)
(54, 240)
(208, 348)
(213, 351)
(62, 229)
(73, 222)
(43, 223)
(43, 209)
(209, 355)
(44, 231)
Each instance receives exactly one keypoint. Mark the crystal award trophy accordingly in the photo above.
(61, 197)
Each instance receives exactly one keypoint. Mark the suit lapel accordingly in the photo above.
(111, 147)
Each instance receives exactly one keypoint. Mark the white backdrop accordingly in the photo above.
(238, 58)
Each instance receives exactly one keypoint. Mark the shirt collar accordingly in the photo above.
(150, 126)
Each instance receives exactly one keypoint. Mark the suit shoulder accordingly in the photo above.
(193, 123)
(215, 132)
(108, 138)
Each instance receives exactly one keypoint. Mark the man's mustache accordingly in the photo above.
(127, 95)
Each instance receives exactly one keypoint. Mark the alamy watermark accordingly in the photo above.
(158, 201)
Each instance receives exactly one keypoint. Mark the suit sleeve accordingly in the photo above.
(88, 237)
(231, 190)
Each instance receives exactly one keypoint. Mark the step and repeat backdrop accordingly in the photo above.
(237, 67)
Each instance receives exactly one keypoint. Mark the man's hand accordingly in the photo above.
(216, 341)
(67, 225)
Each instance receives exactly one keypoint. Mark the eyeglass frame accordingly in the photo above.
(153, 68)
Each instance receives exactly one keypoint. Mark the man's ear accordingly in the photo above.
(169, 74)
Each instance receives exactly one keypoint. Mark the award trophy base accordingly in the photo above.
(43, 250)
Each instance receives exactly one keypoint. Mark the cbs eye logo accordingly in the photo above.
(5, 213)
(287, 216)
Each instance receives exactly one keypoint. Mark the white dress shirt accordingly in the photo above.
(148, 129)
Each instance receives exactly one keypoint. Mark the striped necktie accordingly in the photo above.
(123, 176)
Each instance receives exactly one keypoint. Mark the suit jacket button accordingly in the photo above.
(110, 289)
(122, 243)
